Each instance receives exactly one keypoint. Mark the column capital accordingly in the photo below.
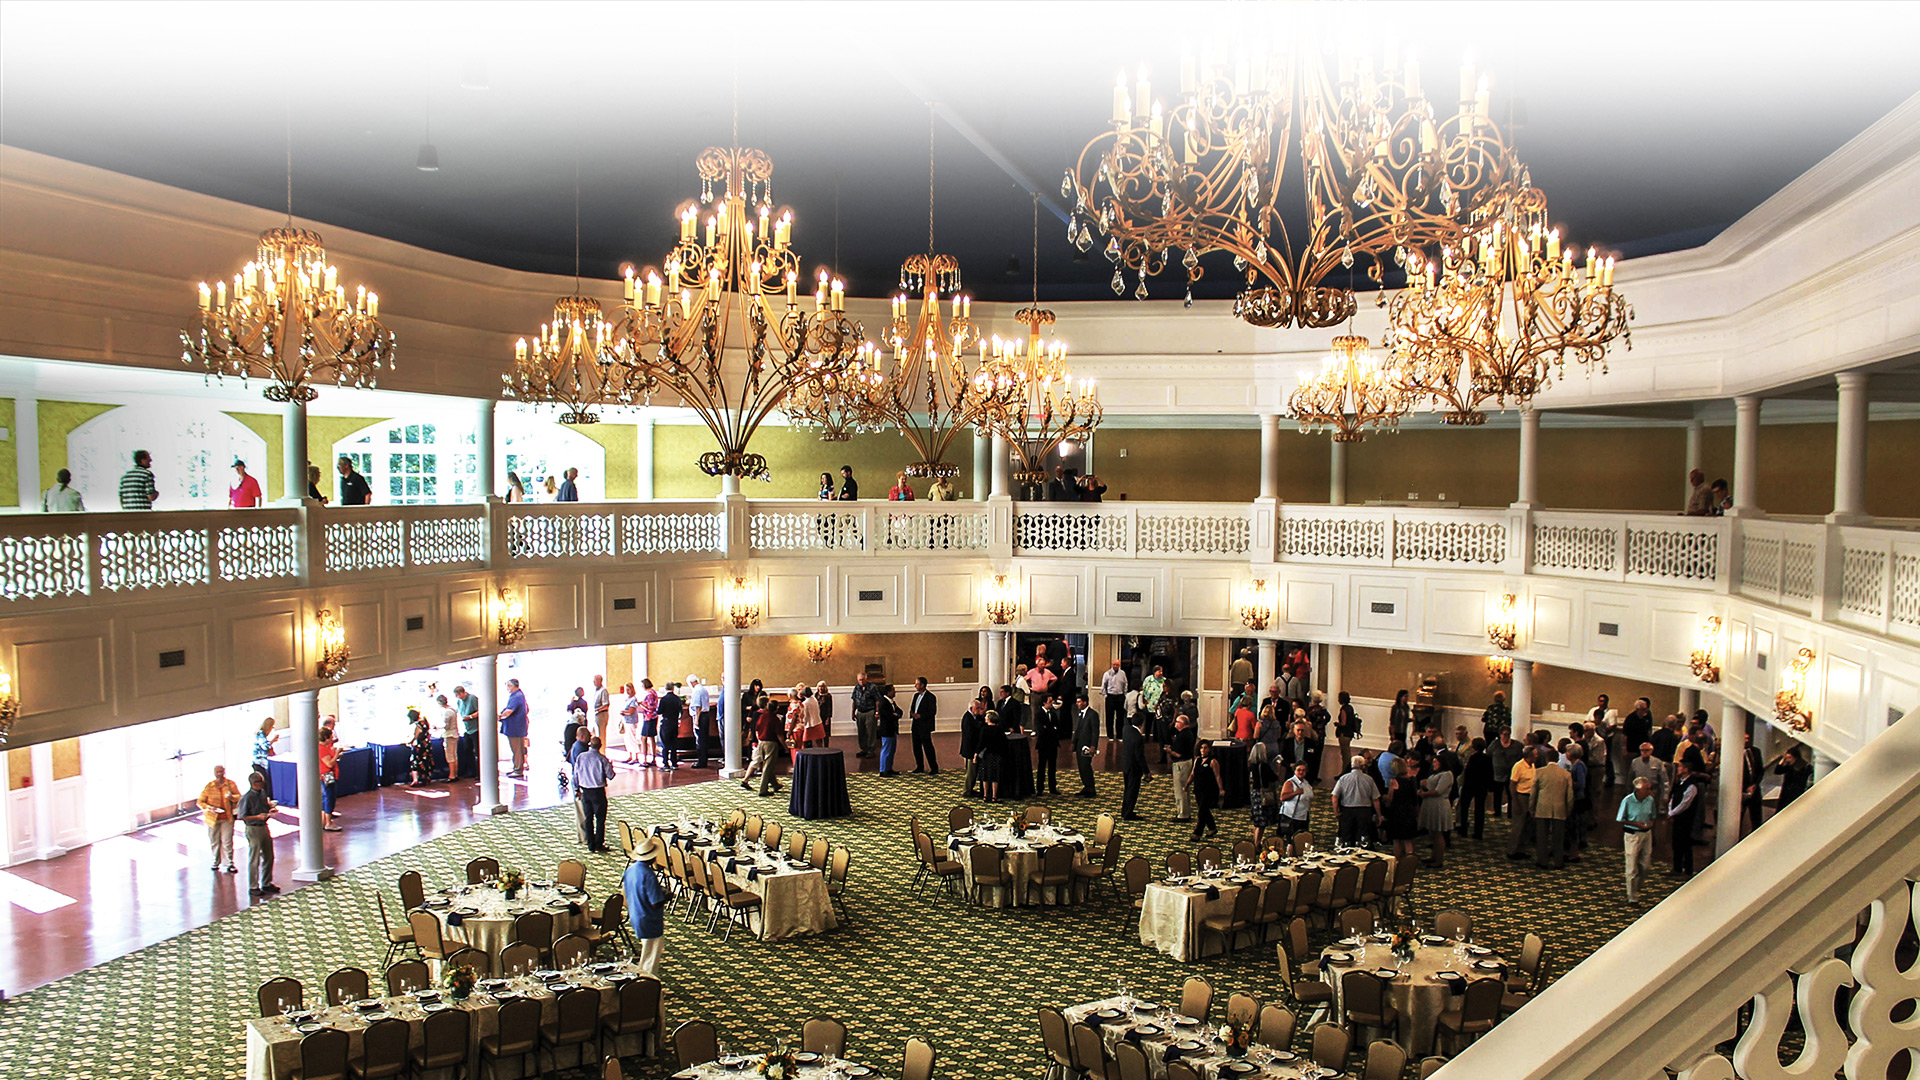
(1852, 380)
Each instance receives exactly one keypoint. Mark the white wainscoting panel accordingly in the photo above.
(948, 595)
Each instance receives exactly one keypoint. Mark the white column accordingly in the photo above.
(486, 462)
(730, 704)
(45, 830)
(1336, 679)
(729, 485)
(1269, 456)
(982, 651)
(1002, 466)
(26, 443)
(293, 453)
(1696, 453)
(303, 721)
(486, 687)
(1850, 450)
(997, 659)
(1746, 455)
(1823, 764)
(1529, 493)
(1522, 697)
(1265, 671)
(982, 470)
(1337, 474)
(640, 663)
(643, 458)
(1733, 729)
(1689, 701)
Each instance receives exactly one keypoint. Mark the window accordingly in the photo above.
(193, 448)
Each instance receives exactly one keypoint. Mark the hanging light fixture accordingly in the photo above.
(1790, 702)
(1501, 629)
(1352, 393)
(1256, 605)
(1002, 600)
(331, 639)
(1705, 660)
(571, 364)
(1500, 668)
(743, 603)
(819, 647)
(289, 320)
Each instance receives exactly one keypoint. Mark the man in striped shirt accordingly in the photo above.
(137, 490)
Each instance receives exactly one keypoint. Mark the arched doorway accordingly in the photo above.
(193, 448)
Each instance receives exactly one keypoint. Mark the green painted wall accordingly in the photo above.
(622, 444)
(322, 433)
(9, 457)
(58, 419)
(797, 458)
(271, 473)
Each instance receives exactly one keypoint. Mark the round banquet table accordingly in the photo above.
(818, 1068)
(1171, 915)
(1232, 756)
(1016, 767)
(819, 783)
(482, 916)
(1020, 852)
(1417, 991)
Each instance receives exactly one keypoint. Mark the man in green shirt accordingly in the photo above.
(1636, 827)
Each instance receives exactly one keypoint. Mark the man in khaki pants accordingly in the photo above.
(217, 802)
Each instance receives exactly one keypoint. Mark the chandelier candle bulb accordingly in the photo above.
(1122, 109)
(1482, 99)
(1187, 80)
(206, 297)
(1467, 81)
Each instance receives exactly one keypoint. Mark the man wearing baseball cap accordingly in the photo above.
(245, 492)
(646, 903)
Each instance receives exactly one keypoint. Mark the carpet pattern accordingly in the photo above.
(967, 980)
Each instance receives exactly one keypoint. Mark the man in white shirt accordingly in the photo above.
(602, 706)
(698, 700)
(1113, 684)
(591, 774)
(450, 735)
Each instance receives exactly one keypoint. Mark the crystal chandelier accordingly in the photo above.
(840, 400)
(287, 319)
(569, 364)
(934, 390)
(1351, 394)
(714, 332)
(1379, 170)
(1036, 404)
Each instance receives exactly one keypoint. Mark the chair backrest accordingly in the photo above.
(1306, 892)
(1346, 887)
(385, 1043)
(426, 934)
(797, 846)
(625, 832)
(959, 818)
(280, 994)
(413, 891)
(1208, 855)
(1481, 1004)
(1404, 868)
(1373, 880)
(737, 818)
(482, 868)
(571, 872)
(1242, 1009)
(446, 1038)
(824, 1035)
(1364, 992)
(571, 951)
(1276, 899)
(1036, 814)
(477, 959)
(1532, 952)
(612, 1071)
(694, 1043)
(1102, 828)
(347, 984)
(1245, 849)
(535, 928)
(613, 912)
(1132, 1062)
(817, 853)
(1457, 925)
(1053, 1035)
(771, 838)
(1276, 1027)
(386, 924)
(986, 864)
(1057, 863)
(407, 976)
(1430, 1065)
(677, 863)
(1356, 920)
(1196, 998)
(519, 1030)
(838, 865)
(1110, 854)
(755, 827)
(1179, 862)
(579, 1010)
(639, 1003)
(1089, 1052)
(917, 1062)
(697, 876)
(323, 1055)
(519, 958)
(1180, 1070)
(1297, 938)
(1139, 873)
(923, 846)
(1330, 1043)
(1385, 1060)
(1299, 845)
(1246, 905)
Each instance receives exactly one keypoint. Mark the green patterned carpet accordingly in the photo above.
(966, 979)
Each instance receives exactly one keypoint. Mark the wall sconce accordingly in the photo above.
(9, 705)
(1500, 668)
(1003, 602)
(512, 618)
(819, 647)
(743, 603)
(1256, 604)
(334, 654)
(1790, 703)
(1500, 628)
(1706, 655)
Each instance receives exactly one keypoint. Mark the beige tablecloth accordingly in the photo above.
(490, 926)
(1021, 852)
(1154, 1030)
(1171, 916)
(1415, 992)
(712, 1070)
(793, 899)
(273, 1043)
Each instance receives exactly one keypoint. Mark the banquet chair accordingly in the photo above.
(1298, 846)
(1524, 982)
(1036, 814)
(445, 1039)
(407, 976)
(519, 958)
(1180, 1070)
(1208, 855)
(694, 1043)
(989, 869)
(1430, 1065)
(1179, 863)
(638, 1013)
(1053, 1036)
(1090, 1054)
(610, 924)
(413, 892)
(755, 827)
(570, 951)
(397, 940)
(517, 1035)
(837, 867)
(1273, 906)
(917, 1062)
(1375, 890)
(426, 934)
(1385, 1061)
(1102, 830)
(1356, 920)
(624, 832)
(1364, 997)
(1306, 894)
(1401, 890)
(771, 838)
(959, 818)
(1089, 874)
(578, 1024)
(1054, 872)
(1196, 998)
(817, 854)
(347, 984)
(737, 818)
(1457, 925)
(571, 872)
(1245, 849)
(676, 881)
(738, 905)
(536, 929)
(1297, 945)
(824, 1035)
(1305, 992)
(797, 845)
(1330, 1045)
(949, 872)
(477, 959)
(1131, 1062)
(699, 893)
(277, 995)
(1138, 873)
(1246, 907)
(1346, 887)
(1477, 1012)
(1242, 1009)
(323, 1055)
(384, 1047)
(482, 868)
(1276, 1028)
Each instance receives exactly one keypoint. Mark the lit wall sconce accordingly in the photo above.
(332, 639)
(512, 618)
(1003, 601)
(1500, 668)
(1706, 655)
(9, 705)
(743, 603)
(1501, 627)
(1256, 604)
(819, 647)
(1790, 703)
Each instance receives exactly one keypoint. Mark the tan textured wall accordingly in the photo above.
(58, 419)
(270, 473)
(622, 470)
(1379, 673)
(782, 660)
(797, 458)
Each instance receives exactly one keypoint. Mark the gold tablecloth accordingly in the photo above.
(793, 899)
(1153, 1029)
(1021, 851)
(1171, 915)
(1416, 992)
(489, 927)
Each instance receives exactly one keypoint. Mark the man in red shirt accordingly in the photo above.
(245, 493)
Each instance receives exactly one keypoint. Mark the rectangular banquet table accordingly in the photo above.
(793, 898)
(1159, 1031)
(821, 1068)
(1171, 915)
(358, 772)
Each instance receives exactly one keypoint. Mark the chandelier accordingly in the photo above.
(1290, 168)
(1352, 393)
(1035, 404)
(840, 400)
(9, 705)
(934, 390)
(569, 363)
(1256, 605)
(720, 301)
(1495, 317)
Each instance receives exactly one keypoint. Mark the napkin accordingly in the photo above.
(454, 918)
(1213, 892)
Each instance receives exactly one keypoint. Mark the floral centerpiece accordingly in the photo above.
(1271, 857)
(1403, 943)
(511, 883)
(778, 1065)
(729, 834)
(1236, 1039)
(460, 980)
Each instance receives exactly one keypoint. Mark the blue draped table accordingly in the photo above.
(358, 772)
(819, 783)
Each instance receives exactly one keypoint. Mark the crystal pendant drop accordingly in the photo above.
(1140, 290)
(1191, 259)
(1189, 301)
(1119, 283)
(1085, 240)
(1346, 258)
(1066, 185)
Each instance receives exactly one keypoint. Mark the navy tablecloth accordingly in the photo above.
(396, 763)
(358, 772)
(1232, 757)
(819, 783)
(1016, 769)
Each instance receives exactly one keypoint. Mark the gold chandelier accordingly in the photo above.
(718, 301)
(1380, 170)
(1352, 393)
(934, 389)
(1036, 404)
(840, 400)
(570, 364)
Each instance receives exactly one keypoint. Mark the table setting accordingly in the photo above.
(779, 1064)
(1021, 847)
(793, 894)
(1164, 1035)
(1424, 972)
(482, 915)
(1176, 906)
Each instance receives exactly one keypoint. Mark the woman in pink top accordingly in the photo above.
(1244, 722)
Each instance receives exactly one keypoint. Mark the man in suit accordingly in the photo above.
(971, 723)
(1133, 765)
(1302, 747)
(1552, 805)
(1086, 740)
(922, 708)
(1046, 745)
